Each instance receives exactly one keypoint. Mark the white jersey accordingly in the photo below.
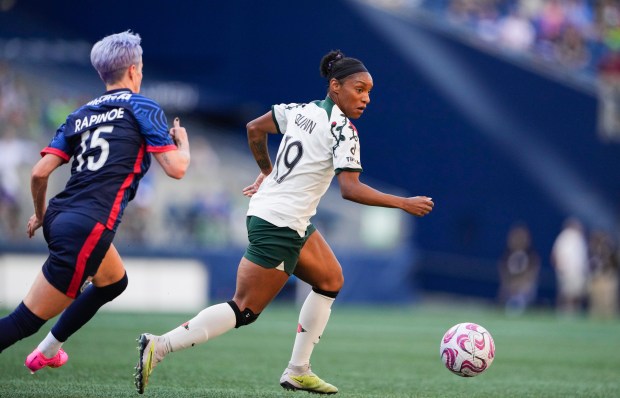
(319, 142)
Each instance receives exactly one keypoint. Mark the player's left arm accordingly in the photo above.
(351, 188)
(38, 187)
(176, 162)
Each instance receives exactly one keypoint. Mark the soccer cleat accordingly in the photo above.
(302, 378)
(37, 361)
(147, 360)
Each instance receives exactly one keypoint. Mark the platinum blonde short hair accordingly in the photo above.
(113, 54)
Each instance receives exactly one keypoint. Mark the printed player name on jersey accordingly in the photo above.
(111, 97)
(305, 123)
(86, 122)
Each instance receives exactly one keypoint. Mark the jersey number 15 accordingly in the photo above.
(94, 142)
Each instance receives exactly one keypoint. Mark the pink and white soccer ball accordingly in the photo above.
(467, 349)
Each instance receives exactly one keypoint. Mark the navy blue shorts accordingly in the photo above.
(77, 245)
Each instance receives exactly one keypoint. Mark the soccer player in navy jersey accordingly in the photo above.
(110, 140)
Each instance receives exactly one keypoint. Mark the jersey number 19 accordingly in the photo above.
(288, 162)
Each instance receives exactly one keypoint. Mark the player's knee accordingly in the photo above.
(338, 283)
(110, 292)
(245, 317)
(326, 293)
(333, 284)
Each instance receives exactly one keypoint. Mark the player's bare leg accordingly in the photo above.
(318, 265)
(109, 282)
(111, 269)
(44, 300)
(256, 288)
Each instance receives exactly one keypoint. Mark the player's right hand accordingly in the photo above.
(252, 189)
(33, 224)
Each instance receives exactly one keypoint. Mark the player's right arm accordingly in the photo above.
(257, 140)
(175, 162)
(38, 187)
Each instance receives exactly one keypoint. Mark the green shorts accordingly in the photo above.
(270, 246)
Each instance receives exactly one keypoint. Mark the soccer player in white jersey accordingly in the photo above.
(319, 142)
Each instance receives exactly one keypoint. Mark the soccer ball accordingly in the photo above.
(467, 349)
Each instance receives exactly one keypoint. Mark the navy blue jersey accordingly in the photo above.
(109, 139)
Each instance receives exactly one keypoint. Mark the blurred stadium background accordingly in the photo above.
(502, 111)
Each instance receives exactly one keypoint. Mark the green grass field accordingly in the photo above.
(366, 352)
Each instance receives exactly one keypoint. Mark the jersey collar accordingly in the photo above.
(328, 104)
(117, 90)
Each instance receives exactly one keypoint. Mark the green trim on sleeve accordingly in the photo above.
(273, 116)
(340, 170)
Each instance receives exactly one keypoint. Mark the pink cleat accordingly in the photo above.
(37, 361)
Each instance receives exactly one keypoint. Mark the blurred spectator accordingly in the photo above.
(609, 97)
(136, 222)
(561, 33)
(210, 216)
(551, 21)
(603, 286)
(57, 110)
(204, 220)
(516, 32)
(14, 103)
(569, 256)
(15, 152)
(462, 12)
(486, 26)
(530, 8)
(519, 268)
(608, 20)
(571, 49)
(580, 16)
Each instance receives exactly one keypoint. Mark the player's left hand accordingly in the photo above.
(418, 205)
(178, 132)
(252, 189)
(33, 224)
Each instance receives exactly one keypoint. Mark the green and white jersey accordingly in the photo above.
(319, 142)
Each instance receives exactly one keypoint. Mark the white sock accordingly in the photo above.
(208, 324)
(313, 318)
(49, 346)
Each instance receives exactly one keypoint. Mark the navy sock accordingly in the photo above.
(17, 325)
(85, 307)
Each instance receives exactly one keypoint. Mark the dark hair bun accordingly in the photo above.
(328, 60)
